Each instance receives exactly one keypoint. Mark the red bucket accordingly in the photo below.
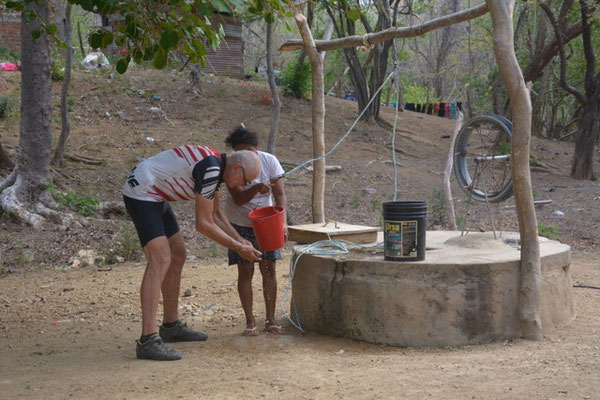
(267, 223)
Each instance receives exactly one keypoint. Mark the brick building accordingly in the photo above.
(10, 30)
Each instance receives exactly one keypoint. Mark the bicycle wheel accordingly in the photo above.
(482, 158)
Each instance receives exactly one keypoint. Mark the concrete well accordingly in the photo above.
(465, 292)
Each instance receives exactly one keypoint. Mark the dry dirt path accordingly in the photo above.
(70, 334)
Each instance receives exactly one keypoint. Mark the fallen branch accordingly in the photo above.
(84, 159)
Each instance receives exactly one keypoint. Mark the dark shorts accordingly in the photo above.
(248, 234)
(151, 219)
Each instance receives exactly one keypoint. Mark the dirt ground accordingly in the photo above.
(69, 332)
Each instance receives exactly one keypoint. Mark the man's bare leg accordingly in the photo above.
(172, 281)
(158, 254)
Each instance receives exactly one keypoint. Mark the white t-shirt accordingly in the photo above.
(270, 168)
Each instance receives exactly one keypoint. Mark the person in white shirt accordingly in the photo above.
(267, 188)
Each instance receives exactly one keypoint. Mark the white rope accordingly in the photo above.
(397, 84)
(347, 133)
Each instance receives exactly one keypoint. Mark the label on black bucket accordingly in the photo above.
(401, 239)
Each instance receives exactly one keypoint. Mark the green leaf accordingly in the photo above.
(205, 9)
(15, 5)
(200, 49)
(95, 40)
(120, 41)
(137, 55)
(169, 39)
(222, 6)
(188, 50)
(150, 49)
(35, 34)
(51, 29)
(107, 39)
(269, 18)
(353, 14)
(122, 64)
(160, 58)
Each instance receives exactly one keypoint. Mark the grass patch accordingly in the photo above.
(549, 231)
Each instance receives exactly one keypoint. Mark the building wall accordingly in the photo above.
(10, 30)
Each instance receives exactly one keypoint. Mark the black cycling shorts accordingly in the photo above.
(152, 219)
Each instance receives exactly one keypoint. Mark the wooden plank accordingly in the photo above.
(310, 233)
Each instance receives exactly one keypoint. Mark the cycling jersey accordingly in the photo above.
(176, 175)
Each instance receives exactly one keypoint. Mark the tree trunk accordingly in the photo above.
(587, 136)
(530, 286)
(195, 85)
(80, 39)
(64, 106)
(23, 189)
(448, 41)
(318, 119)
(274, 92)
(539, 119)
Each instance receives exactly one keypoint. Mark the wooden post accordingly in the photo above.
(274, 92)
(318, 119)
(530, 288)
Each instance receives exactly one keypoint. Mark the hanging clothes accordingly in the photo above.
(442, 110)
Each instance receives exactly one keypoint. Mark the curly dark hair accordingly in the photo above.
(241, 135)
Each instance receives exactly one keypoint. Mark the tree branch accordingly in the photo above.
(390, 33)
(563, 61)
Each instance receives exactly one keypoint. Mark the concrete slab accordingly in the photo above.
(466, 291)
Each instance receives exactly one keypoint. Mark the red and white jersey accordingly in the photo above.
(176, 174)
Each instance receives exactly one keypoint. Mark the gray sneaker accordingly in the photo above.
(155, 349)
(181, 333)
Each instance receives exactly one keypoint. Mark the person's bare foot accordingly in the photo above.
(250, 332)
(272, 327)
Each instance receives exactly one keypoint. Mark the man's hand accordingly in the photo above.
(263, 188)
(247, 252)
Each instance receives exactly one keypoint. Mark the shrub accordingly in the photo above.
(81, 204)
(296, 81)
(7, 103)
(57, 71)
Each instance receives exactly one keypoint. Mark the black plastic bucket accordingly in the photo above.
(404, 225)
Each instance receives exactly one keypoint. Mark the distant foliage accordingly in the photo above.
(415, 93)
(295, 81)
